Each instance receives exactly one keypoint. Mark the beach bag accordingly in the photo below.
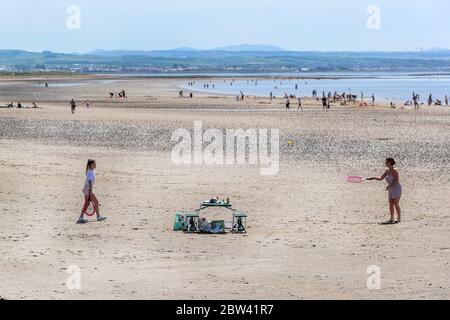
(180, 221)
(218, 226)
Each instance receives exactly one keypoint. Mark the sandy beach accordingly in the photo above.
(311, 234)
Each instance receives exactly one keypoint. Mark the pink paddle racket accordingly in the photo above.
(355, 179)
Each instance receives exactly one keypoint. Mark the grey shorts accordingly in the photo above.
(395, 192)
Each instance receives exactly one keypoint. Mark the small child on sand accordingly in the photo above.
(89, 194)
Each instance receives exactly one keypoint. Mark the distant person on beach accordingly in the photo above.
(394, 189)
(324, 102)
(430, 100)
(300, 107)
(88, 191)
(446, 100)
(373, 98)
(416, 101)
(122, 94)
(34, 105)
(288, 103)
(73, 106)
(271, 95)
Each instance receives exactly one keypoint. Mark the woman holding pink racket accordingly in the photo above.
(394, 189)
(89, 195)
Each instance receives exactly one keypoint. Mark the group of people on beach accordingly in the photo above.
(437, 102)
(21, 106)
(181, 94)
(326, 99)
(288, 101)
(122, 94)
(73, 105)
(240, 97)
(431, 101)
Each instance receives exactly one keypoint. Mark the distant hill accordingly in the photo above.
(438, 50)
(188, 50)
(116, 53)
(140, 53)
(250, 48)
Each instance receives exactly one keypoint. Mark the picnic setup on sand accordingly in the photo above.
(192, 222)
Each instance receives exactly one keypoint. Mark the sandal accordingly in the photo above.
(82, 221)
(99, 219)
(388, 223)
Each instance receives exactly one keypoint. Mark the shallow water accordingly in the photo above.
(63, 84)
(386, 88)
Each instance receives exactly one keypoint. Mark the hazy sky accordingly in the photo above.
(166, 24)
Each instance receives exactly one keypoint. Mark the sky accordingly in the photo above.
(326, 25)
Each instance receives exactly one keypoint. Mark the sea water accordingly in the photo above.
(386, 88)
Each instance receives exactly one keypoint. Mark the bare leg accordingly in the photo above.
(398, 209)
(392, 209)
(86, 205)
(96, 203)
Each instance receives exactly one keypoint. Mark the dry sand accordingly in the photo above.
(311, 235)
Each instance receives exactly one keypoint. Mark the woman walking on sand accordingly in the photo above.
(88, 192)
(394, 189)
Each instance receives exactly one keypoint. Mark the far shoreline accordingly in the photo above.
(306, 75)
